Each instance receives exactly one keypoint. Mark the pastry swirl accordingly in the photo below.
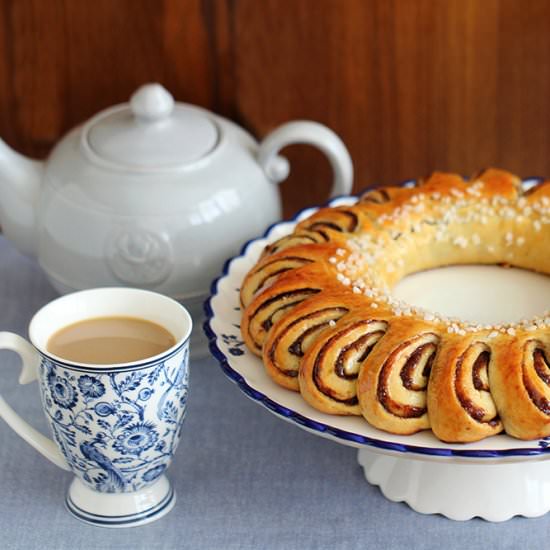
(328, 372)
(393, 381)
(520, 386)
(287, 344)
(460, 400)
(317, 308)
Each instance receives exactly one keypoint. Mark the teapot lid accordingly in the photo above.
(151, 133)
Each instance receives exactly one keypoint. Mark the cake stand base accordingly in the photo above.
(461, 490)
(120, 509)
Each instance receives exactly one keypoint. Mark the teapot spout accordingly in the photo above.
(19, 191)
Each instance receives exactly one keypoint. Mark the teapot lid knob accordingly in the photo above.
(152, 102)
(151, 133)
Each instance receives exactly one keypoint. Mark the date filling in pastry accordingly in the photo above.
(318, 308)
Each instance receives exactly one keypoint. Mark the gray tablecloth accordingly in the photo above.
(244, 478)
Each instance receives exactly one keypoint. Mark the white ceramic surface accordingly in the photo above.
(406, 461)
(461, 491)
(123, 509)
(116, 427)
(152, 194)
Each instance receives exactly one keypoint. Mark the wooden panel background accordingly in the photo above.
(410, 85)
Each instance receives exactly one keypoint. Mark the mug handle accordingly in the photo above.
(312, 133)
(29, 372)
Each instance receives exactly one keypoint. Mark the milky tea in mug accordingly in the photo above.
(116, 408)
(110, 340)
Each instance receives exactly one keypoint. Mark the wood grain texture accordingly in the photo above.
(411, 86)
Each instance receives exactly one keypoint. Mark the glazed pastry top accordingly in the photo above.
(336, 271)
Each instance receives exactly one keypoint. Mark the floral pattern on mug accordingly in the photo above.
(117, 429)
(136, 438)
(90, 387)
(62, 391)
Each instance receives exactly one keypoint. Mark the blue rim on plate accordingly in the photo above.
(321, 427)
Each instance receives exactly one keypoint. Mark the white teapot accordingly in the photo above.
(152, 194)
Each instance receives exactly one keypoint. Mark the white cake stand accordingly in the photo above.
(461, 490)
(495, 479)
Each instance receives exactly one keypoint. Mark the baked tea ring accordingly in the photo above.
(317, 308)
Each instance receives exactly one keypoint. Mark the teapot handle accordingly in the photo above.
(312, 133)
(29, 373)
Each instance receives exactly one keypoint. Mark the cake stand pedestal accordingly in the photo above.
(461, 489)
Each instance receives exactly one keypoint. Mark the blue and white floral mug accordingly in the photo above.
(116, 427)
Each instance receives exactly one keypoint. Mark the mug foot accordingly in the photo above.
(118, 510)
